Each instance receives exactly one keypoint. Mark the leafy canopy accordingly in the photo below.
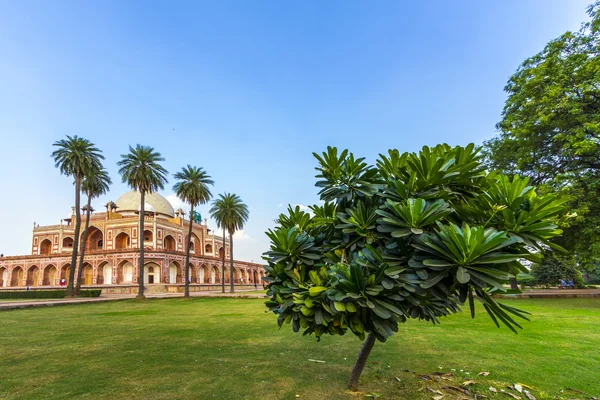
(141, 169)
(192, 185)
(414, 237)
(229, 212)
(77, 157)
(96, 183)
(550, 130)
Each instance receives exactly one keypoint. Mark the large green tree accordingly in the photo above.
(230, 213)
(192, 187)
(95, 184)
(415, 237)
(141, 170)
(76, 157)
(550, 130)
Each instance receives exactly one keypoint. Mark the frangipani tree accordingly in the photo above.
(414, 237)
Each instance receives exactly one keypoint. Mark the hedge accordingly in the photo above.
(46, 294)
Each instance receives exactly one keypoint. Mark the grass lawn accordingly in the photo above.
(230, 349)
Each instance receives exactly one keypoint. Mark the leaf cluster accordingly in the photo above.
(416, 236)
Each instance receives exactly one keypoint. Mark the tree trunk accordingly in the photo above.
(361, 361)
(230, 260)
(223, 266)
(187, 256)
(83, 243)
(70, 287)
(514, 285)
(141, 244)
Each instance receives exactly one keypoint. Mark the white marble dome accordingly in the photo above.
(130, 203)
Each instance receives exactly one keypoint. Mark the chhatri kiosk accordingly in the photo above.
(112, 251)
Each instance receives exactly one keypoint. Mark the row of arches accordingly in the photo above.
(125, 273)
(122, 241)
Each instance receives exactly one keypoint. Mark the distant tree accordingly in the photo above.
(141, 170)
(192, 187)
(76, 157)
(554, 267)
(95, 184)
(415, 237)
(550, 131)
(230, 213)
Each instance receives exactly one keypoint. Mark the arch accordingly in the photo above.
(16, 278)
(215, 277)
(227, 275)
(64, 273)
(125, 272)
(122, 241)
(208, 248)
(255, 277)
(221, 252)
(106, 272)
(169, 243)
(95, 239)
(202, 274)
(67, 244)
(46, 246)
(151, 273)
(49, 275)
(148, 238)
(87, 275)
(236, 275)
(3, 276)
(193, 274)
(194, 244)
(243, 275)
(175, 273)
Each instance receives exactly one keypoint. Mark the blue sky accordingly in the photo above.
(248, 90)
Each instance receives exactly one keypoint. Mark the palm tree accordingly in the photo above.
(141, 170)
(230, 213)
(76, 157)
(193, 189)
(95, 184)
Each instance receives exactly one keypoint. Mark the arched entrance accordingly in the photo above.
(45, 246)
(169, 243)
(49, 276)
(17, 277)
(3, 276)
(175, 273)
(95, 239)
(195, 247)
(87, 277)
(220, 252)
(193, 274)
(64, 273)
(202, 274)
(255, 277)
(215, 277)
(125, 272)
(33, 276)
(122, 241)
(151, 273)
(208, 248)
(104, 274)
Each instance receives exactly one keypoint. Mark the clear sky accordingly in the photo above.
(248, 90)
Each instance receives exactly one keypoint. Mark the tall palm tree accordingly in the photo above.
(95, 184)
(76, 157)
(230, 213)
(141, 170)
(193, 189)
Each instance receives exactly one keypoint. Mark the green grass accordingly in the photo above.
(229, 349)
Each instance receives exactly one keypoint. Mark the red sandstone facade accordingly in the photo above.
(112, 251)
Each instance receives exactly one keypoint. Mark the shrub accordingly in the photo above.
(45, 294)
(415, 237)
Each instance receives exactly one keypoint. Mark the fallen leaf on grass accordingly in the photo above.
(317, 361)
(518, 388)
(529, 395)
(493, 389)
(398, 379)
(514, 396)
(437, 397)
(483, 373)
(467, 383)
(435, 391)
